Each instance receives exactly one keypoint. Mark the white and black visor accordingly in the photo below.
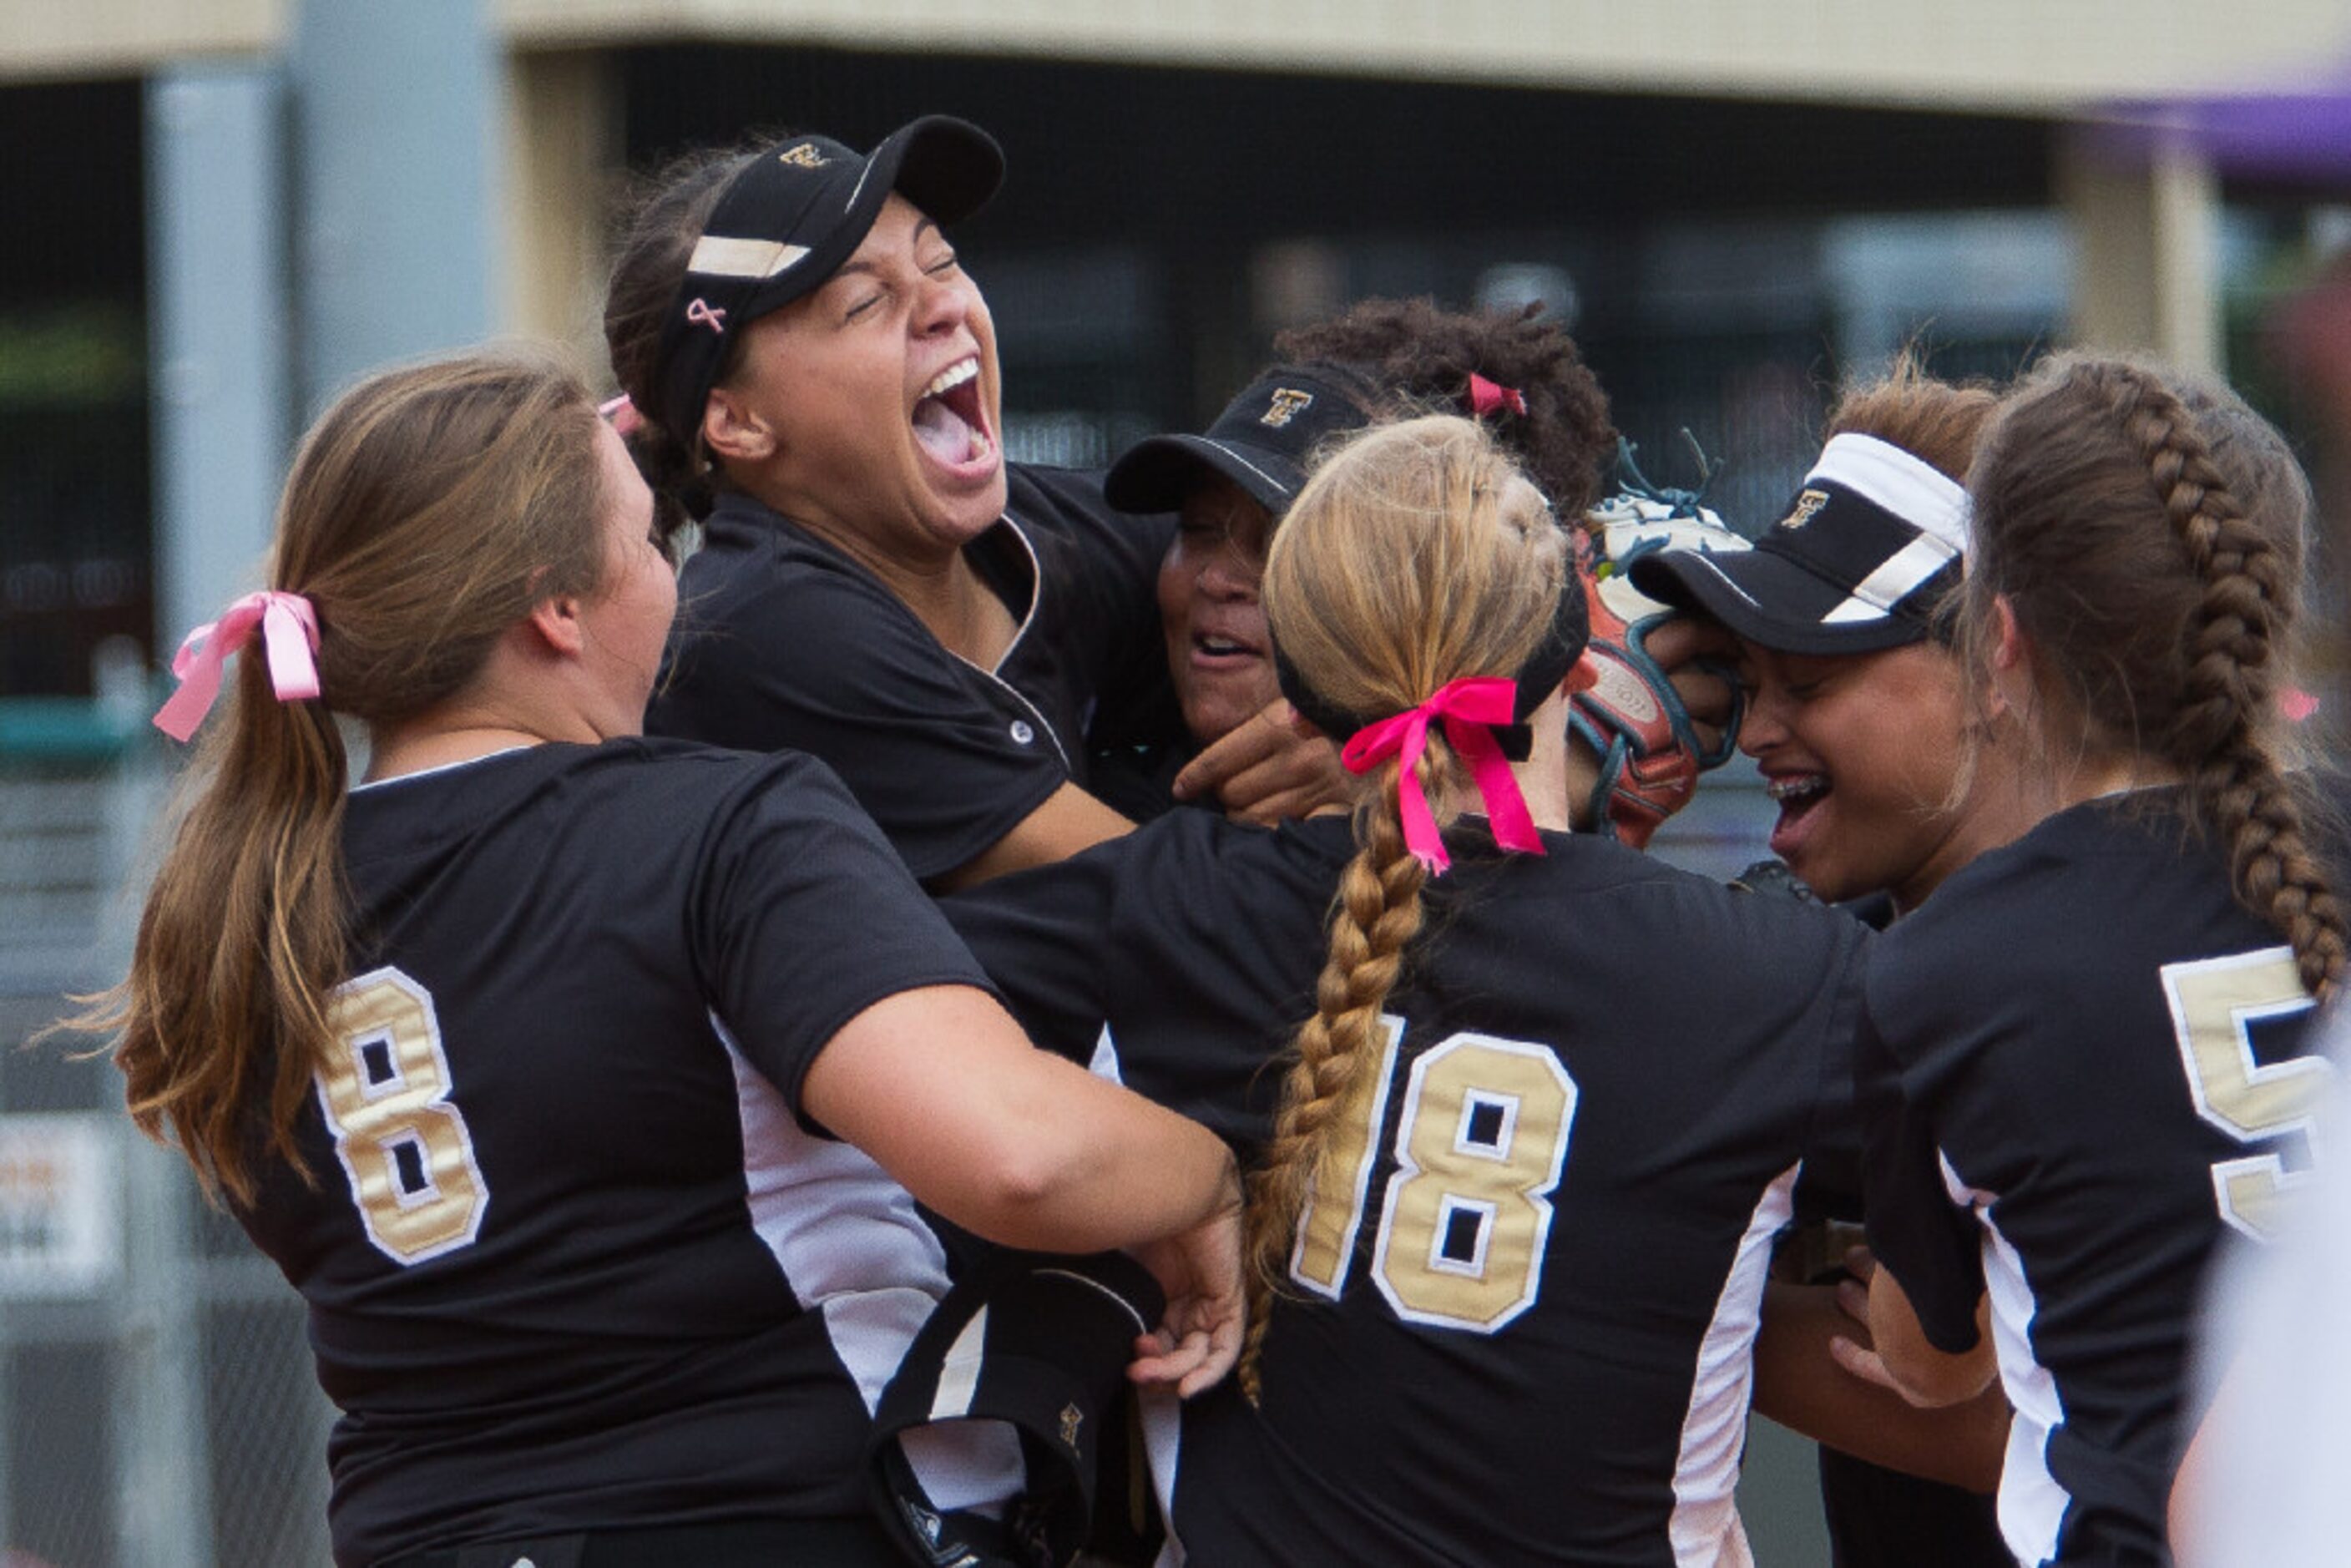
(1863, 557)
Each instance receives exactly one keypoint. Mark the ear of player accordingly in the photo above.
(1632, 717)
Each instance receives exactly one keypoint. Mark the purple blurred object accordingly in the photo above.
(2300, 132)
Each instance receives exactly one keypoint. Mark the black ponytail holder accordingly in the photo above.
(1538, 677)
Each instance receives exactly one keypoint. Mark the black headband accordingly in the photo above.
(1537, 677)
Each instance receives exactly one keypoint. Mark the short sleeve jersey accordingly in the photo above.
(784, 640)
(1521, 1330)
(2080, 1065)
(574, 1257)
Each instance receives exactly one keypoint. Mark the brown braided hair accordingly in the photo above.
(1424, 357)
(1416, 555)
(2149, 530)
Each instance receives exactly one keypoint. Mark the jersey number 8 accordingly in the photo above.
(2213, 1001)
(1479, 1144)
(384, 1089)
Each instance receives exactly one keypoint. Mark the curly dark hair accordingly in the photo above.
(1425, 356)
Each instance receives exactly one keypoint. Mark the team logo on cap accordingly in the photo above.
(803, 156)
(1072, 1418)
(1807, 505)
(1285, 407)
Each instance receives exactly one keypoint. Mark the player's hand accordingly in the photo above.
(1200, 1338)
(1857, 1354)
(1273, 765)
(1695, 653)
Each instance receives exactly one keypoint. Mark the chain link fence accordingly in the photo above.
(157, 1405)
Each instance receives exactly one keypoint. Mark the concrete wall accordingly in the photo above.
(2025, 56)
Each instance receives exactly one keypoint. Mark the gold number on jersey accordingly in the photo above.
(384, 1089)
(1480, 1141)
(1334, 1203)
(2213, 1001)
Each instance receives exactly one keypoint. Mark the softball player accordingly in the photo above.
(2082, 1058)
(1642, 731)
(816, 379)
(1510, 1231)
(570, 1077)
(1857, 719)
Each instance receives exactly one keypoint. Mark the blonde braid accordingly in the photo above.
(1415, 555)
(1376, 913)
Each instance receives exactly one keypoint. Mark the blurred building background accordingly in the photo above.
(219, 211)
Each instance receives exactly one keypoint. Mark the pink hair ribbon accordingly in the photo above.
(1467, 708)
(622, 412)
(1490, 397)
(289, 633)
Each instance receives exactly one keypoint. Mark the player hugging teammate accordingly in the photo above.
(586, 1086)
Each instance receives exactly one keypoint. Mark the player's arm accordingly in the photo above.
(940, 1086)
(1799, 1385)
(941, 1089)
(1069, 820)
(1272, 765)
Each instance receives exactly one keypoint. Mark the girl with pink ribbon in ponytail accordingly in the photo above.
(1516, 1174)
(584, 1085)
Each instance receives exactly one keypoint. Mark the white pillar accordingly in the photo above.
(2146, 237)
(218, 321)
(395, 161)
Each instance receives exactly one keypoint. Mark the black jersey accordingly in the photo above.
(1524, 1334)
(1876, 1516)
(574, 1257)
(2080, 1064)
(784, 640)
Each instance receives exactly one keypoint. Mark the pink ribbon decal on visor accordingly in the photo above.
(289, 635)
(1466, 707)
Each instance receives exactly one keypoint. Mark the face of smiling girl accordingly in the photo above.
(881, 393)
(1218, 650)
(1860, 751)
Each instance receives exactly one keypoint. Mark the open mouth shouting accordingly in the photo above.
(1798, 795)
(950, 421)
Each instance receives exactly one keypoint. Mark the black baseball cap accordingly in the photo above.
(1866, 553)
(1039, 1343)
(789, 220)
(1260, 442)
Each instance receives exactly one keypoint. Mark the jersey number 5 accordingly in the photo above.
(1479, 1144)
(2213, 1001)
(385, 1088)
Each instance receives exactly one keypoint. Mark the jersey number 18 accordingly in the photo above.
(1480, 1141)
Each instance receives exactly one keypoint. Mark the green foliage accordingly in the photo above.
(83, 355)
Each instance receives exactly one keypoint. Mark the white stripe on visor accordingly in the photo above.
(715, 256)
(1910, 488)
(1887, 587)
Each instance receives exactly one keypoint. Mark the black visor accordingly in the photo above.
(788, 222)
